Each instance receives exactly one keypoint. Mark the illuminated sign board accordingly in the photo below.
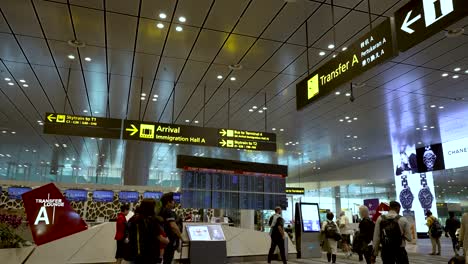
(295, 190)
(84, 126)
(193, 135)
(76, 195)
(372, 49)
(129, 196)
(420, 19)
(103, 196)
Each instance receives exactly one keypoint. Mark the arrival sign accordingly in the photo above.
(372, 49)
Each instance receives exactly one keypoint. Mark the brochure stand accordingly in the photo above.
(207, 244)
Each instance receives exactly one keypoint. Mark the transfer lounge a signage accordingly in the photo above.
(193, 135)
(50, 215)
(372, 49)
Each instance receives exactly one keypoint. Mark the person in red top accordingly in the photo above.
(121, 232)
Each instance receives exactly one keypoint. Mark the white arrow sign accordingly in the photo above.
(407, 23)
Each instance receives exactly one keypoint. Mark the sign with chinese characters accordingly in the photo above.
(372, 49)
(420, 19)
(85, 126)
(50, 215)
(202, 136)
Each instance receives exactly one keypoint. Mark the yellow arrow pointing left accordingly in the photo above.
(51, 117)
(134, 130)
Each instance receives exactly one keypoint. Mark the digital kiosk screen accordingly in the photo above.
(76, 195)
(152, 195)
(103, 196)
(205, 233)
(14, 193)
(129, 196)
(310, 217)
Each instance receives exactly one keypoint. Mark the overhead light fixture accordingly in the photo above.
(162, 16)
(178, 28)
(187, 121)
(155, 99)
(344, 48)
(331, 46)
(71, 57)
(13, 132)
(7, 79)
(196, 121)
(455, 76)
(441, 107)
(348, 136)
(64, 145)
(274, 129)
(96, 112)
(155, 96)
(11, 84)
(355, 136)
(348, 94)
(466, 71)
(182, 19)
(219, 77)
(355, 118)
(142, 98)
(57, 145)
(322, 53)
(260, 111)
(22, 81)
(337, 93)
(281, 129)
(160, 25)
(432, 127)
(264, 108)
(254, 107)
(433, 106)
(87, 59)
(418, 128)
(341, 120)
(251, 110)
(457, 69)
(445, 74)
(350, 121)
(143, 94)
(85, 111)
(25, 85)
(334, 55)
(232, 78)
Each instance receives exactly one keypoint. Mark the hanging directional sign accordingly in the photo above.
(370, 50)
(193, 135)
(420, 19)
(84, 126)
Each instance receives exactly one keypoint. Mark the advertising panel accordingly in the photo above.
(430, 158)
(310, 217)
(455, 153)
(372, 205)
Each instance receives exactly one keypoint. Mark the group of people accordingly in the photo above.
(148, 236)
(388, 235)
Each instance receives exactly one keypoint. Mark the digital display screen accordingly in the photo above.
(129, 196)
(177, 197)
(196, 199)
(73, 195)
(430, 158)
(205, 232)
(14, 193)
(152, 195)
(310, 217)
(103, 196)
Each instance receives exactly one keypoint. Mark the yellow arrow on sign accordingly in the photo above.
(223, 143)
(134, 130)
(51, 117)
(223, 132)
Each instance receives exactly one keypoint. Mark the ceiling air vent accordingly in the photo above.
(76, 43)
(235, 67)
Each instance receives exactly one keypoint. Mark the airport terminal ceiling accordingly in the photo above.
(218, 63)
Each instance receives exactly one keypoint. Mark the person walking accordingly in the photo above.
(121, 234)
(451, 226)
(435, 232)
(463, 236)
(171, 228)
(391, 233)
(273, 218)
(330, 234)
(366, 234)
(278, 239)
(346, 231)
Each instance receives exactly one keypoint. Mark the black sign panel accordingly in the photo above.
(372, 49)
(83, 126)
(193, 135)
(420, 19)
(295, 190)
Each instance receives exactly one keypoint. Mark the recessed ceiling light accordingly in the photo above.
(350, 121)
(344, 48)
(455, 76)
(341, 120)
(143, 94)
(25, 85)
(187, 121)
(196, 121)
(348, 94)
(13, 132)
(71, 57)
(355, 136)
(162, 16)
(334, 55)
(457, 69)
(85, 111)
(348, 136)
(425, 126)
(182, 19)
(466, 71)
(96, 112)
(265, 108)
(419, 142)
(432, 127)
(331, 46)
(260, 111)
(433, 106)
(57, 145)
(445, 74)
(178, 28)
(337, 93)
(254, 107)
(274, 129)
(251, 110)
(346, 117)
(232, 78)
(160, 25)
(154, 99)
(11, 84)
(355, 118)
(441, 107)
(22, 81)
(418, 128)
(142, 98)
(87, 59)
(424, 129)
(322, 53)
(281, 129)
(7, 79)
(155, 96)
(219, 77)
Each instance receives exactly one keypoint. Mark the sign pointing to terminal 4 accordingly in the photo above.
(372, 49)
(193, 135)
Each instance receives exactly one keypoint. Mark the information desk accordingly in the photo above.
(206, 241)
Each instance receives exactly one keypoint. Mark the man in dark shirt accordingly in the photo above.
(451, 226)
(278, 239)
(170, 226)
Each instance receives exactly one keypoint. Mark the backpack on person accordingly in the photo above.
(390, 232)
(436, 229)
(271, 220)
(331, 231)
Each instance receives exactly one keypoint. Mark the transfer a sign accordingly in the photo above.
(84, 126)
(420, 19)
(202, 136)
(372, 49)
